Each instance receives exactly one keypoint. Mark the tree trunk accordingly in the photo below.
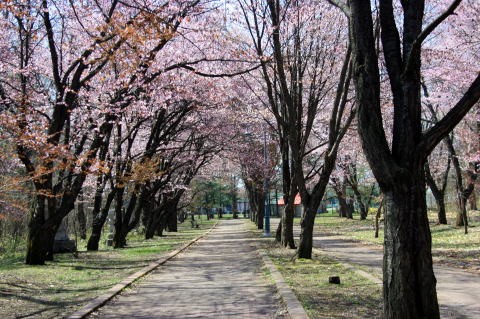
(157, 221)
(120, 239)
(278, 232)
(82, 220)
(287, 239)
(41, 233)
(408, 279)
(438, 194)
(306, 233)
(260, 210)
(343, 212)
(37, 242)
(94, 240)
(361, 205)
(172, 222)
(171, 218)
(120, 236)
(442, 213)
(150, 231)
(472, 200)
(377, 218)
(99, 219)
(350, 208)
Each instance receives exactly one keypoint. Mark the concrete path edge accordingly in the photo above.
(102, 299)
(294, 307)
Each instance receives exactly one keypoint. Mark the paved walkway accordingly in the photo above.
(218, 277)
(458, 291)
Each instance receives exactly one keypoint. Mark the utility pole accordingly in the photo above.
(266, 189)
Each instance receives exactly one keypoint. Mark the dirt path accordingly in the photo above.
(219, 277)
(458, 291)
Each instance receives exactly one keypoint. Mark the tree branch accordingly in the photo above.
(433, 136)
(427, 31)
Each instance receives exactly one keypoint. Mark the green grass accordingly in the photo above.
(69, 282)
(355, 297)
(449, 243)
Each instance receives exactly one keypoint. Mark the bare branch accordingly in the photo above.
(433, 136)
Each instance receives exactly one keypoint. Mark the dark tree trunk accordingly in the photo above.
(38, 246)
(120, 239)
(409, 281)
(377, 218)
(306, 234)
(440, 201)
(99, 219)
(172, 225)
(41, 230)
(171, 218)
(39, 238)
(408, 252)
(82, 220)
(287, 239)
(438, 193)
(260, 211)
(278, 232)
(442, 213)
(156, 221)
(350, 208)
(152, 228)
(120, 236)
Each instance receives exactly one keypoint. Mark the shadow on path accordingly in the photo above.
(219, 277)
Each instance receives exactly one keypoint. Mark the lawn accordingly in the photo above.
(69, 282)
(449, 243)
(355, 297)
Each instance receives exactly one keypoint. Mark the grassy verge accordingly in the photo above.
(449, 243)
(355, 297)
(62, 286)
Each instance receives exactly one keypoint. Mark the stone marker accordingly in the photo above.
(62, 243)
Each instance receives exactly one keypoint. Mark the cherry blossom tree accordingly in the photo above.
(69, 57)
(409, 281)
(306, 74)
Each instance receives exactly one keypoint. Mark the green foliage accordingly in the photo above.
(212, 193)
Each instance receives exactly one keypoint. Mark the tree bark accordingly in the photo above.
(278, 232)
(172, 225)
(99, 219)
(377, 218)
(409, 282)
(288, 215)
(306, 234)
(438, 193)
(82, 220)
(38, 241)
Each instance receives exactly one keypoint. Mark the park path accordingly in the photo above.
(458, 291)
(219, 277)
